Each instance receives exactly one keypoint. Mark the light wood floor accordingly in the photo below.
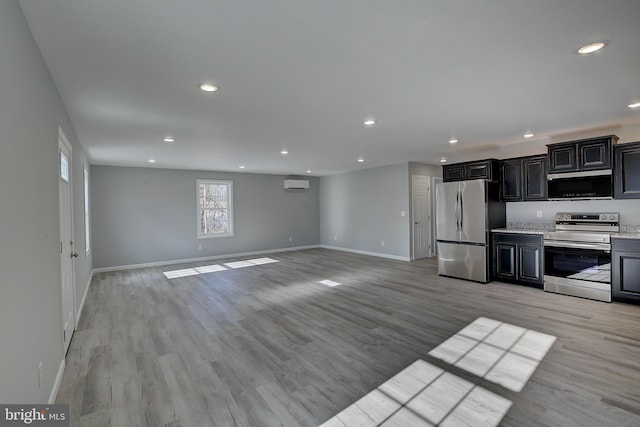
(269, 346)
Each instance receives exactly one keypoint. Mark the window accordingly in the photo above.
(215, 208)
(87, 241)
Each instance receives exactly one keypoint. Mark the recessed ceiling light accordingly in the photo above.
(151, 160)
(453, 141)
(443, 160)
(634, 105)
(369, 122)
(360, 160)
(592, 47)
(169, 139)
(208, 87)
(242, 166)
(309, 171)
(284, 151)
(528, 134)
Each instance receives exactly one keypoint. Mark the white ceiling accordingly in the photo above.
(304, 75)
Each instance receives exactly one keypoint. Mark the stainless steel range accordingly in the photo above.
(577, 255)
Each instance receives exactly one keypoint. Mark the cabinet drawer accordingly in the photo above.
(630, 245)
(530, 239)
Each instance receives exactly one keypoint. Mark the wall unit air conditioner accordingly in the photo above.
(296, 184)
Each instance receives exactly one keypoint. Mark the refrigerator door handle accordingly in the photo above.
(461, 212)
(457, 211)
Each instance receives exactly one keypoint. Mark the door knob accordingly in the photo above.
(74, 254)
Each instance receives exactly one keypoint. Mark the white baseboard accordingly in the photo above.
(208, 258)
(56, 383)
(356, 251)
(84, 297)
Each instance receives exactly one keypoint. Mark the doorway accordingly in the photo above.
(421, 215)
(67, 254)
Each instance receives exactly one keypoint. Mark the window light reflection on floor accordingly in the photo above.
(329, 283)
(210, 268)
(424, 395)
(499, 352)
(175, 274)
(180, 273)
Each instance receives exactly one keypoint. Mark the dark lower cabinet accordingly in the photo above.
(518, 258)
(625, 270)
(627, 171)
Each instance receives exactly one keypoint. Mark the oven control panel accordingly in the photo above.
(588, 217)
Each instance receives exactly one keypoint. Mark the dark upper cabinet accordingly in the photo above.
(595, 154)
(524, 179)
(562, 158)
(518, 258)
(627, 171)
(482, 169)
(511, 180)
(585, 154)
(625, 270)
(453, 172)
(534, 178)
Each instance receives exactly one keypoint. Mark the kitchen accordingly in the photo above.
(590, 249)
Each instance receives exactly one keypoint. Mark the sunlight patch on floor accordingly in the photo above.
(329, 283)
(426, 395)
(499, 352)
(175, 274)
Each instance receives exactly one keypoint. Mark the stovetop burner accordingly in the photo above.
(595, 227)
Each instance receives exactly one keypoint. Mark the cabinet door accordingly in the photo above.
(479, 170)
(453, 172)
(534, 178)
(505, 260)
(594, 154)
(529, 263)
(626, 271)
(562, 158)
(627, 171)
(510, 183)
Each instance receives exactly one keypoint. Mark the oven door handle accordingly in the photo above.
(564, 244)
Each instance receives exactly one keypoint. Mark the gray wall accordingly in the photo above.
(360, 209)
(527, 211)
(31, 301)
(146, 215)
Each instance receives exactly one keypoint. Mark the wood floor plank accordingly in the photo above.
(269, 345)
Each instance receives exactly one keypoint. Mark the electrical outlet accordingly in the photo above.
(539, 214)
(382, 243)
(290, 239)
(199, 247)
(402, 213)
(40, 375)
(335, 237)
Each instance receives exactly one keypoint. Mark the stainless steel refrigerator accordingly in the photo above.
(466, 211)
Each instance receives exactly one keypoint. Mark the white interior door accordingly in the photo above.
(66, 241)
(421, 201)
(434, 247)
